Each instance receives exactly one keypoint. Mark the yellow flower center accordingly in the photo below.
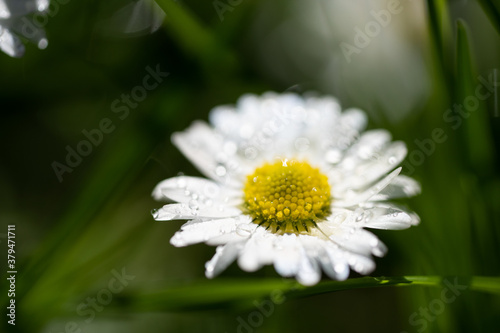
(287, 196)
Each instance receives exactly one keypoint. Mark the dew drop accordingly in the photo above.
(43, 43)
(360, 214)
(244, 230)
(392, 160)
(155, 213)
(220, 170)
(339, 218)
(193, 204)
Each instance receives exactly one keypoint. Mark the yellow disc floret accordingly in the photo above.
(287, 196)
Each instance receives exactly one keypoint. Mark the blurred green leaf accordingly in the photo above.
(225, 292)
(198, 41)
(479, 139)
(492, 11)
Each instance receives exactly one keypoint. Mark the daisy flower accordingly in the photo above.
(14, 23)
(291, 181)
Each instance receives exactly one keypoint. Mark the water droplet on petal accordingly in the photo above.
(244, 230)
(339, 218)
(193, 204)
(220, 170)
(43, 43)
(392, 160)
(155, 213)
(360, 214)
(177, 240)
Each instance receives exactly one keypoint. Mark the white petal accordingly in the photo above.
(395, 221)
(335, 264)
(356, 173)
(4, 11)
(258, 251)
(187, 212)
(287, 256)
(203, 147)
(377, 215)
(401, 187)
(224, 256)
(389, 216)
(203, 231)
(225, 119)
(359, 263)
(354, 118)
(356, 198)
(10, 44)
(359, 241)
(198, 191)
(309, 272)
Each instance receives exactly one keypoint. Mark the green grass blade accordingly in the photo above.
(222, 293)
(479, 139)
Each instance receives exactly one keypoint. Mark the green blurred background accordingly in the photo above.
(75, 232)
